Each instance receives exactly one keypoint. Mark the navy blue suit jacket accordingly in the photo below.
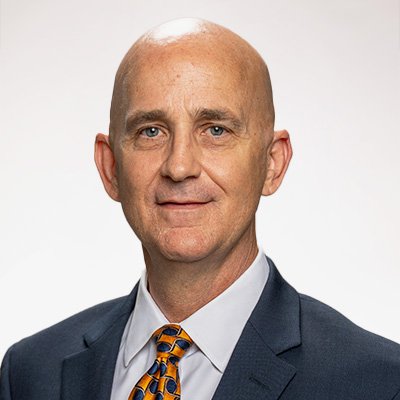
(292, 347)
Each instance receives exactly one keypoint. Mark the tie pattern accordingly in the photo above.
(161, 381)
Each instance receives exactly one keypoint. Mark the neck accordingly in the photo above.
(182, 288)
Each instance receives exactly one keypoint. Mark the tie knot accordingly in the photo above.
(172, 342)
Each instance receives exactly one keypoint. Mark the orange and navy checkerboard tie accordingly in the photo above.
(161, 381)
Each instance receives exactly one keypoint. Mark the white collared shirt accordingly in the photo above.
(215, 329)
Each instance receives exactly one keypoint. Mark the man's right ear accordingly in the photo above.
(105, 162)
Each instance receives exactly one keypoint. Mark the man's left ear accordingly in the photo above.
(279, 158)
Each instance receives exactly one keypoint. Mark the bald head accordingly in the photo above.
(197, 42)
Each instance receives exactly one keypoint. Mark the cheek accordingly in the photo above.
(239, 166)
(240, 176)
(134, 197)
(134, 178)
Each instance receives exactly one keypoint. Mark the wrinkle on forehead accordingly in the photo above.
(196, 41)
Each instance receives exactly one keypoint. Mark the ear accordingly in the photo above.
(105, 162)
(279, 158)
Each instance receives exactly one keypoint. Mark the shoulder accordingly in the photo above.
(61, 339)
(334, 349)
(37, 360)
(323, 325)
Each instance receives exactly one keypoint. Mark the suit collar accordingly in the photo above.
(276, 318)
(255, 370)
(122, 310)
(88, 374)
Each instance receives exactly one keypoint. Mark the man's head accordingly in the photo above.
(191, 146)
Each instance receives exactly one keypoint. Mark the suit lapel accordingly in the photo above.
(255, 370)
(88, 374)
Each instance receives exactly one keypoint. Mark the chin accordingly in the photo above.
(186, 247)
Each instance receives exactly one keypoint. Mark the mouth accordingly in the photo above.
(189, 205)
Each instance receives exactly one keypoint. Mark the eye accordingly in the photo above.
(216, 130)
(150, 132)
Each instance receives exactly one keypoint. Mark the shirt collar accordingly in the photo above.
(145, 320)
(215, 328)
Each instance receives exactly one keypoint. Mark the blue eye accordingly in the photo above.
(217, 130)
(151, 132)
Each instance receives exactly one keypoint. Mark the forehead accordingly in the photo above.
(189, 76)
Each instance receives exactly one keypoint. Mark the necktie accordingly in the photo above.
(161, 381)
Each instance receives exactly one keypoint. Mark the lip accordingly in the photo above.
(190, 205)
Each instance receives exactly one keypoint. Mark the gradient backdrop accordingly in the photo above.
(332, 228)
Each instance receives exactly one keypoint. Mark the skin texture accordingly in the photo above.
(191, 150)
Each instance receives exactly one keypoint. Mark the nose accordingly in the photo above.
(182, 160)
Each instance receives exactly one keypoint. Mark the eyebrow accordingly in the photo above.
(221, 115)
(143, 117)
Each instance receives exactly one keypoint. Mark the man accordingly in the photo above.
(191, 149)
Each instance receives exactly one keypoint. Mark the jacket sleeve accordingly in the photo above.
(5, 389)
